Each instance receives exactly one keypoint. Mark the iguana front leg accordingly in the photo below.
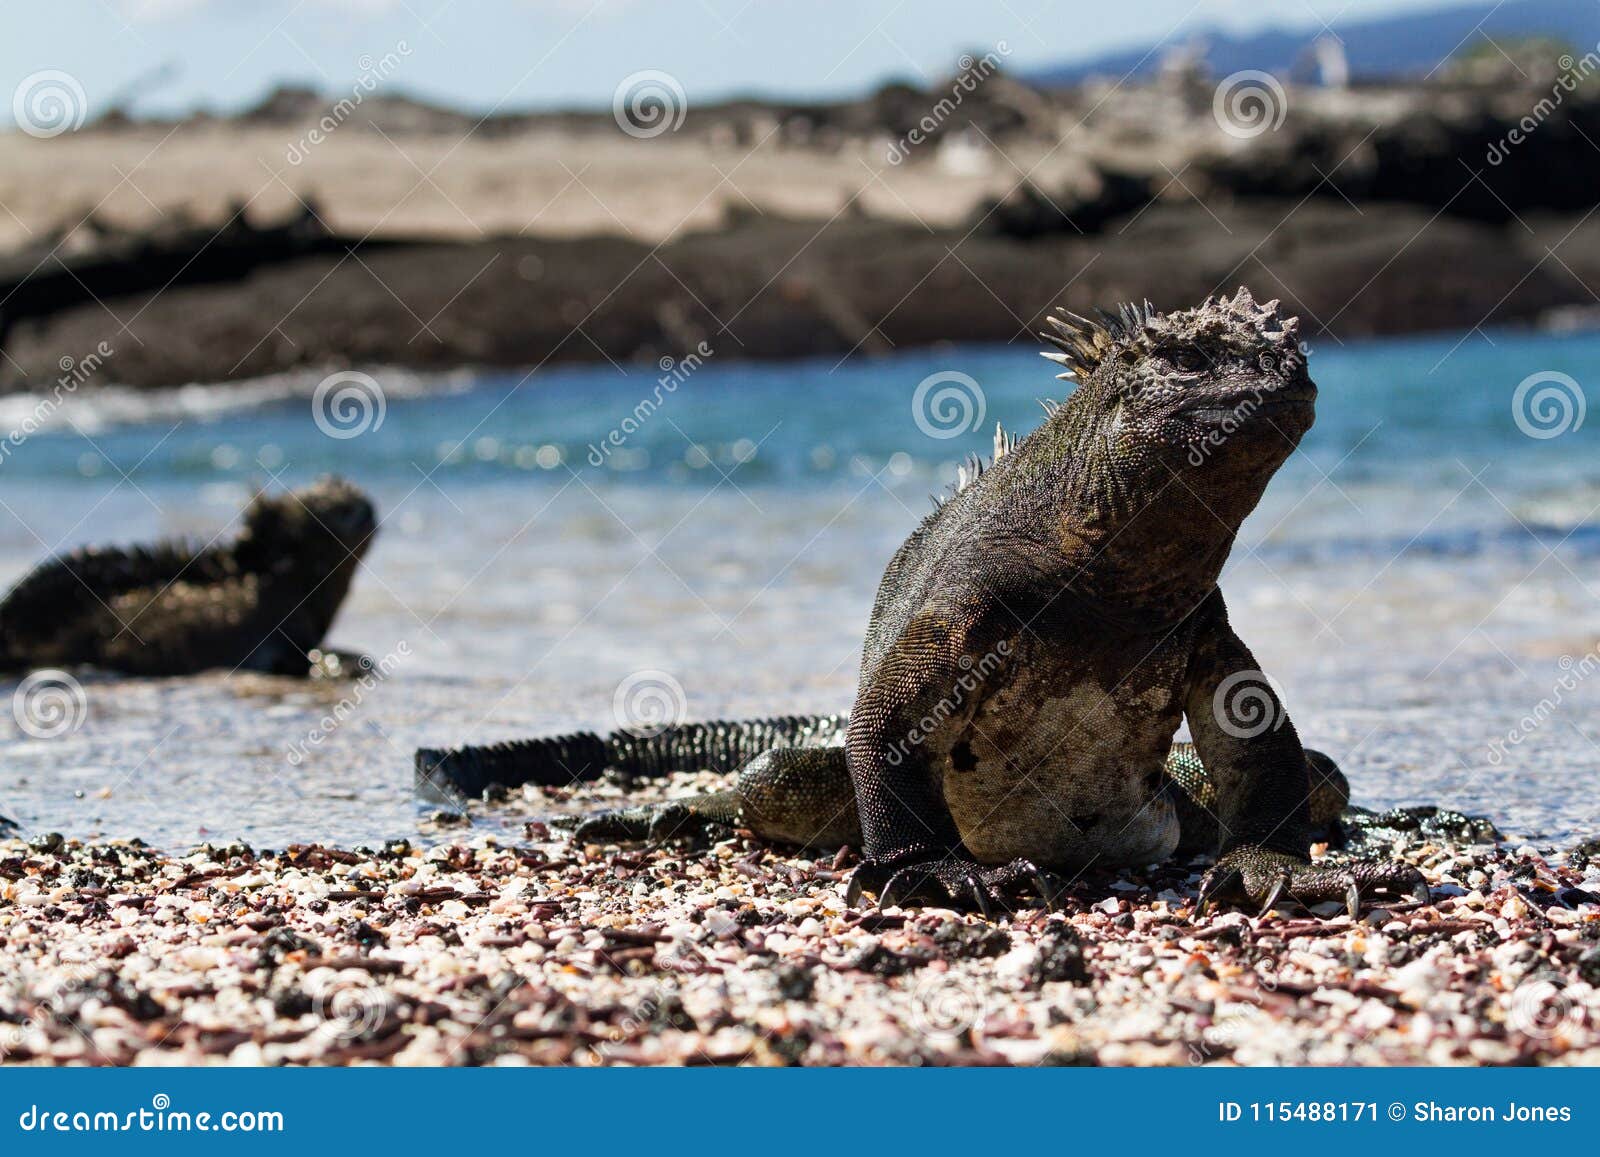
(1263, 791)
(912, 850)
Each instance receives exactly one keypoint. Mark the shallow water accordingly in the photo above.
(1415, 578)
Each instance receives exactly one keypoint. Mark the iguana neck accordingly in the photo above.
(1143, 538)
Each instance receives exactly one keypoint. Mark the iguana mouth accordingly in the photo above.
(1240, 406)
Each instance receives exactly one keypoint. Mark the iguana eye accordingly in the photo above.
(1188, 359)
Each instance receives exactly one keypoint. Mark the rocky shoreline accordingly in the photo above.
(478, 951)
(767, 288)
(774, 231)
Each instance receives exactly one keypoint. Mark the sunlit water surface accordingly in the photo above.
(1418, 578)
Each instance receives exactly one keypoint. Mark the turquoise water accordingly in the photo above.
(1414, 578)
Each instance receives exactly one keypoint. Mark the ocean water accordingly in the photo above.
(1421, 578)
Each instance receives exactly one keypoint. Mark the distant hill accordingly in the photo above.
(1377, 47)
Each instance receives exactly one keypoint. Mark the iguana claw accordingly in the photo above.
(1213, 884)
(976, 889)
(1047, 890)
(1271, 901)
(950, 882)
(852, 890)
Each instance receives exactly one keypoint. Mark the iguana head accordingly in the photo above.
(320, 527)
(1218, 393)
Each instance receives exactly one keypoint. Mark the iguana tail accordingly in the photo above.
(562, 760)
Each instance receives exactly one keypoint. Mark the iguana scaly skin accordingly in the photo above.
(1038, 639)
(262, 602)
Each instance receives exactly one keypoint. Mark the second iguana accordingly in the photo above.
(262, 601)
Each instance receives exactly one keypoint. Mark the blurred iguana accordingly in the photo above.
(262, 602)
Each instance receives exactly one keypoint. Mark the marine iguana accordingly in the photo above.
(263, 602)
(1034, 646)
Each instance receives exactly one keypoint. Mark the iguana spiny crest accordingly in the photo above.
(974, 466)
(1219, 393)
(1217, 327)
(1222, 383)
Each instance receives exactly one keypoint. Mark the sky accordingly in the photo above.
(514, 54)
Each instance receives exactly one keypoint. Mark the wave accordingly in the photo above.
(102, 408)
(1532, 540)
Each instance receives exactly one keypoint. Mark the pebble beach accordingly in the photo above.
(488, 950)
(294, 902)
